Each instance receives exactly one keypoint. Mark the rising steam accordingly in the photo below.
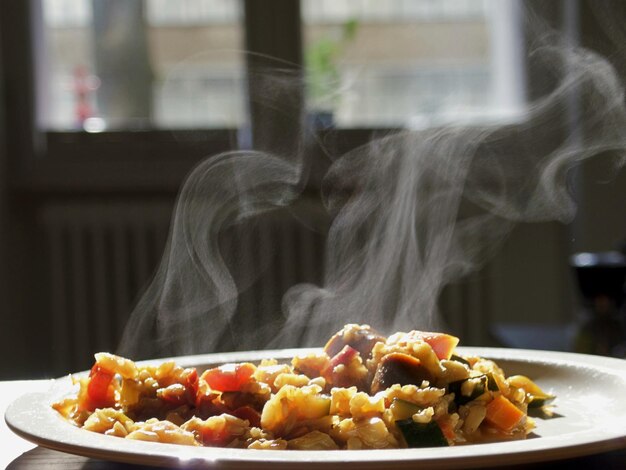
(410, 212)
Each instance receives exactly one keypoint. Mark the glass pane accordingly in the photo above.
(412, 62)
(129, 64)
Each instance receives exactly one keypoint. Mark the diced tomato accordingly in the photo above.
(204, 394)
(98, 392)
(442, 343)
(249, 413)
(228, 377)
(215, 437)
(191, 381)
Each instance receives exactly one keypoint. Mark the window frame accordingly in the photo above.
(147, 160)
(42, 162)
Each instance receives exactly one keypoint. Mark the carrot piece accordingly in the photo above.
(447, 429)
(503, 414)
(443, 344)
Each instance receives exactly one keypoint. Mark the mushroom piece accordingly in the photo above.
(359, 337)
(399, 368)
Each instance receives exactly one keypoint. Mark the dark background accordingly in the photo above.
(84, 217)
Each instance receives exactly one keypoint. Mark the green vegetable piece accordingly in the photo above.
(456, 358)
(403, 409)
(492, 385)
(539, 401)
(479, 389)
(422, 434)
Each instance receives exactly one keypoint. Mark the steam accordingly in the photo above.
(411, 212)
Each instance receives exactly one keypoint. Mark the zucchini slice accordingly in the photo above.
(538, 402)
(460, 359)
(535, 396)
(402, 409)
(478, 390)
(492, 385)
(422, 434)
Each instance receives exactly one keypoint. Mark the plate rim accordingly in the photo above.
(77, 441)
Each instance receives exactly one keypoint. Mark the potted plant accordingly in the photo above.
(323, 75)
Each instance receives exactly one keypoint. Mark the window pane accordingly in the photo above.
(412, 62)
(127, 64)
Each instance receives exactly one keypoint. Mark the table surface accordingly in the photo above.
(17, 453)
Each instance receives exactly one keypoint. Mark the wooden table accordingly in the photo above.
(16, 453)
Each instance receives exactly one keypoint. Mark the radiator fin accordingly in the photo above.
(102, 255)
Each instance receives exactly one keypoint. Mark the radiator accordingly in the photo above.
(101, 256)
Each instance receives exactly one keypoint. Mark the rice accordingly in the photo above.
(364, 391)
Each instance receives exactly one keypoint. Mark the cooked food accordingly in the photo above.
(363, 391)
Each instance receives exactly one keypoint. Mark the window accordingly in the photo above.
(181, 92)
(83, 135)
(370, 63)
(412, 63)
(142, 64)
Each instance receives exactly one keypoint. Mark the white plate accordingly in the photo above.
(590, 417)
